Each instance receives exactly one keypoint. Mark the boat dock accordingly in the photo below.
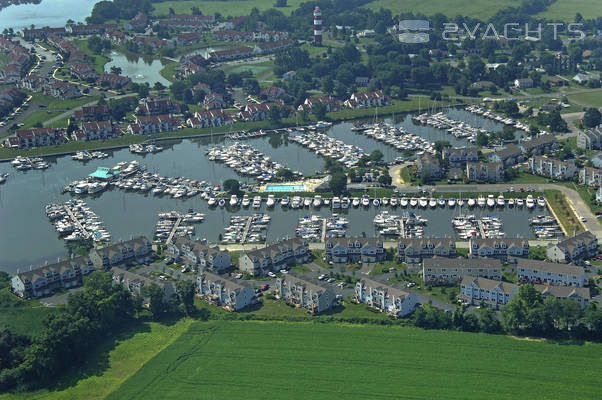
(245, 232)
(481, 228)
(402, 228)
(173, 230)
(77, 222)
(323, 230)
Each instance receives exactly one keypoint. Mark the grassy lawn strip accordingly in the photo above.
(564, 214)
(99, 60)
(225, 359)
(113, 364)
(233, 8)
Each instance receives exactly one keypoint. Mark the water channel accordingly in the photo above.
(52, 13)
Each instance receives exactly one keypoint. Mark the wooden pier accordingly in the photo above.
(83, 230)
(481, 229)
(245, 232)
(173, 230)
(323, 236)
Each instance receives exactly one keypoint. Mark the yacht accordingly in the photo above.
(460, 203)
(345, 202)
(317, 201)
(271, 201)
(541, 201)
(441, 202)
(355, 202)
(385, 201)
(307, 202)
(246, 202)
(432, 203)
(481, 201)
(490, 201)
(336, 203)
(423, 202)
(221, 202)
(256, 202)
(233, 200)
(326, 201)
(501, 202)
(510, 202)
(471, 202)
(530, 201)
(413, 202)
(393, 202)
(296, 202)
(285, 202)
(451, 202)
(403, 202)
(211, 202)
(519, 202)
(376, 202)
(365, 201)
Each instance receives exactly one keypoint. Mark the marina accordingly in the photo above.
(87, 156)
(316, 228)
(246, 229)
(175, 223)
(496, 117)
(25, 163)
(75, 221)
(326, 146)
(398, 138)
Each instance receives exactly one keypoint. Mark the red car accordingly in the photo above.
(259, 294)
(265, 287)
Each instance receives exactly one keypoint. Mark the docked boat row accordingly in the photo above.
(145, 148)
(75, 221)
(176, 223)
(399, 138)
(484, 112)
(315, 227)
(246, 229)
(86, 156)
(247, 161)
(469, 227)
(24, 163)
(246, 135)
(408, 225)
(326, 146)
(440, 120)
(545, 227)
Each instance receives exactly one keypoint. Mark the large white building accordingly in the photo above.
(385, 298)
(542, 272)
(305, 293)
(224, 292)
(487, 292)
(449, 271)
(581, 246)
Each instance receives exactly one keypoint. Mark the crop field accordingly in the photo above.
(565, 10)
(226, 8)
(228, 359)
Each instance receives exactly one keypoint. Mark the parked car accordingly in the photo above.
(265, 287)
(169, 260)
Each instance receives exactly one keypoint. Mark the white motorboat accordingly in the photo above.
(501, 202)
(296, 202)
(256, 202)
(490, 201)
(413, 202)
(432, 203)
(441, 202)
(376, 202)
(211, 202)
(451, 202)
(403, 202)
(285, 202)
(530, 201)
(307, 202)
(366, 201)
(345, 202)
(317, 203)
(510, 202)
(233, 200)
(541, 201)
(481, 201)
(460, 203)
(355, 202)
(246, 202)
(271, 201)
(423, 202)
(519, 202)
(393, 202)
(336, 203)
(385, 201)
(221, 202)
(471, 202)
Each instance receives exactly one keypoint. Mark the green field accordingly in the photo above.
(259, 360)
(226, 8)
(593, 99)
(565, 10)
(27, 321)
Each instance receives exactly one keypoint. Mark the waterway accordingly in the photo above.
(28, 238)
(138, 69)
(52, 13)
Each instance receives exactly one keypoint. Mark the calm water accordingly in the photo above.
(52, 13)
(139, 69)
(27, 237)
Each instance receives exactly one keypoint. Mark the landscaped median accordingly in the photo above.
(563, 213)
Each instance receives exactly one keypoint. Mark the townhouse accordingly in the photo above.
(485, 171)
(233, 36)
(37, 137)
(270, 36)
(274, 256)
(590, 139)
(429, 165)
(189, 38)
(579, 294)
(505, 248)
(486, 292)
(33, 83)
(545, 272)
(90, 29)
(574, 249)
(214, 100)
(354, 249)
(538, 145)
(305, 293)
(552, 168)
(182, 25)
(115, 36)
(209, 118)
(41, 33)
(139, 21)
(92, 113)
(231, 54)
(413, 250)
(330, 102)
(261, 111)
(122, 252)
(523, 83)
(460, 156)
(83, 71)
(147, 124)
(99, 130)
(67, 49)
(272, 93)
(385, 298)
(150, 41)
(199, 254)
(61, 89)
(157, 106)
(272, 47)
(135, 283)
(113, 81)
(509, 155)
(449, 271)
(224, 292)
(368, 99)
(44, 281)
(590, 176)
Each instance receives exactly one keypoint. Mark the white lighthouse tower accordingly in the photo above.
(317, 26)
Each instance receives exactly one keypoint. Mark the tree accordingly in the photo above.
(338, 183)
(232, 186)
(482, 139)
(280, 3)
(488, 321)
(319, 110)
(385, 179)
(274, 114)
(158, 86)
(157, 305)
(116, 70)
(285, 174)
(251, 86)
(591, 118)
(185, 291)
(376, 156)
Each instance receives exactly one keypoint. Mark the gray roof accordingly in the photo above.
(563, 291)
(344, 241)
(547, 266)
(570, 243)
(541, 140)
(474, 263)
(224, 281)
(275, 248)
(59, 267)
(314, 286)
(418, 242)
(489, 284)
(126, 277)
(116, 248)
(383, 286)
(509, 151)
(519, 242)
(197, 247)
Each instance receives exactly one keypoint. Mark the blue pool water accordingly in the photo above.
(285, 188)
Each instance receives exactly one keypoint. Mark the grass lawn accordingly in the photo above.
(169, 70)
(565, 10)
(526, 178)
(564, 214)
(226, 8)
(300, 269)
(99, 60)
(483, 9)
(383, 267)
(112, 364)
(587, 194)
(24, 320)
(593, 99)
(216, 360)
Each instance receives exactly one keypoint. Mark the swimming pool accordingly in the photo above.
(285, 188)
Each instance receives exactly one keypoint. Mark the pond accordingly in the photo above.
(138, 69)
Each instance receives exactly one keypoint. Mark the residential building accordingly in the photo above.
(90, 29)
(274, 256)
(368, 100)
(209, 118)
(146, 124)
(590, 176)
(41, 33)
(139, 21)
(92, 113)
(261, 111)
(413, 250)
(449, 271)
(599, 195)
(354, 249)
(273, 93)
(61, 89)
(552, 168)
(486, 292)
(509, 155)
(429, 165)
(590, 139)
(122, 252)
(83, 72)
(135, 283)
(232, 36)
(506, 248)
(39, 137)
(200, 254)
(44, 281)
(305, 293)
(115, 36)
(485, 172)
(231, 54)
(524, 83)
(189, 38)
(272, 47)
(385, 298)
(579, 294)
(100, 130)
(223, 292)
(545, 272)
(154, 106)
(574, 249)
(213, 101)
(460, 156)
(330, 102)
(113, 81)
(538, 145)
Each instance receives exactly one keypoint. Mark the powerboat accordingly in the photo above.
(221, 202)
(233, 200)
(451, 202)
(413, 202)
(530, 201)
(246, 202)
(271, 201)
(519, 202)
(481, 201)
(490, 201)
(432, 203)
(441, 202)
(307, 202)
(355, 202)
(211, 202)
(501, 202)
(256, 202)
(376, 202)
(365, 201)
(423, 202)
(403, 202)
(510, 202)
(285, 202)
(345, 202)
(471, 202)
(336, 203)
(393, 202)
(541, 201)
(317, 201)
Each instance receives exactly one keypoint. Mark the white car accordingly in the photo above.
(411, 284)
(271, 274)
(582, 219)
